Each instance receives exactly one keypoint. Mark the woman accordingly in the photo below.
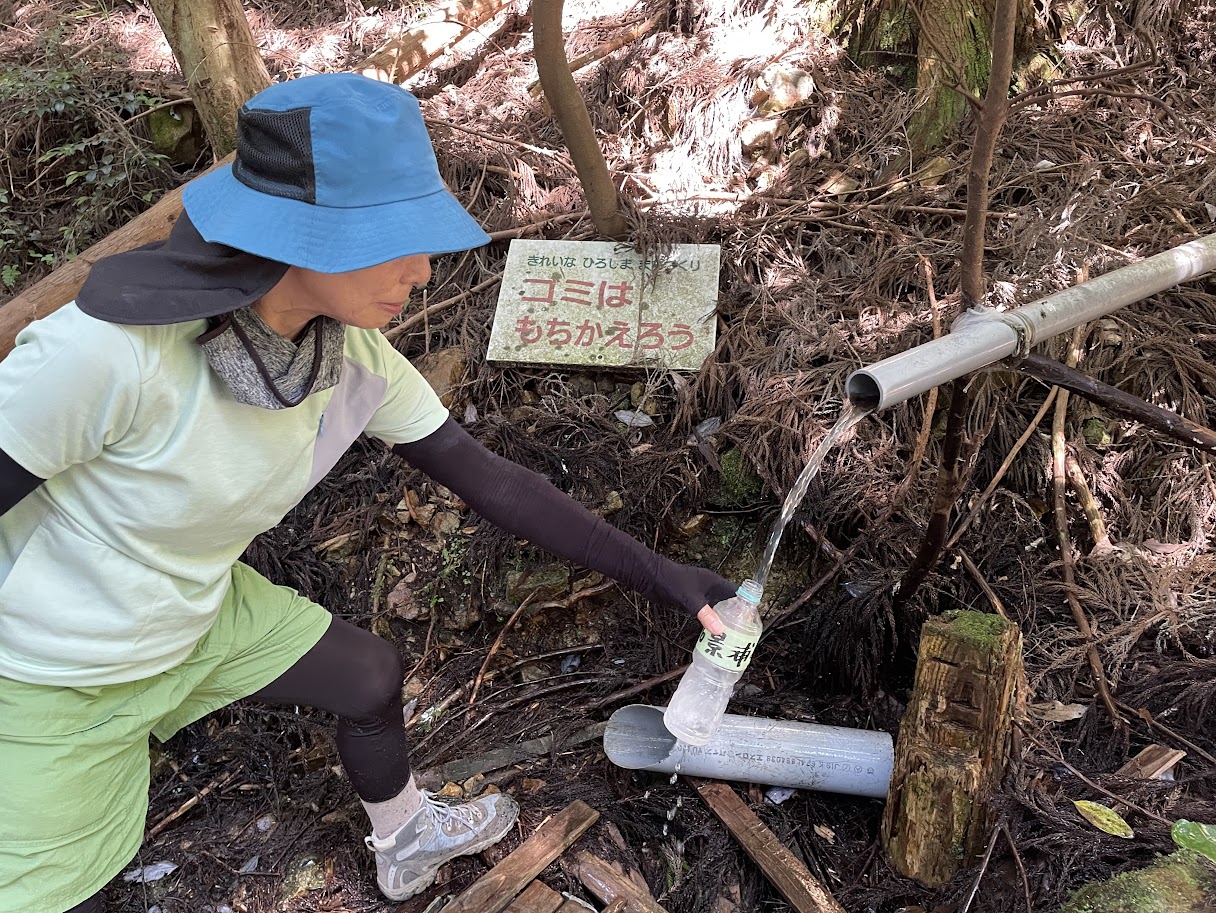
(187, 400)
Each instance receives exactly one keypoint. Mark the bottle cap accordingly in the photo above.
(751, 591)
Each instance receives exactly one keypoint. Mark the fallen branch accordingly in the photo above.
(636, 689)
(1117, 401)
(1058, 758)
(989, 592)
(1085, 497)
(1004, 468)
(216, 784)
(615, 43)
(431, 309)
(502, 633)
(404, 55)
(1147, 718)
(1067, 571)
(460, 770)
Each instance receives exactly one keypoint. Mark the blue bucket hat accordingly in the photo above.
(333, 173)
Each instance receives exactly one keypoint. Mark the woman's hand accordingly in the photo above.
(697, 589)
(710, 621)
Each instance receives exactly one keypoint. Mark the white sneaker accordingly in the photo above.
(408, 860)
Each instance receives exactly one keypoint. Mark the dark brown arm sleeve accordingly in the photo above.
(529, 506)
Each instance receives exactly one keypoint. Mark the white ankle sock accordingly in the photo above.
(388, 816)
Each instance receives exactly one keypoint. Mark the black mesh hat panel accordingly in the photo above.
(274, 153)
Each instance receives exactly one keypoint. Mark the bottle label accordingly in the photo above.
(730, 650)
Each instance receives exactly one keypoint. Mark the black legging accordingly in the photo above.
(356, 676)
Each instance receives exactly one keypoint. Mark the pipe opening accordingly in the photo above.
(863, 390)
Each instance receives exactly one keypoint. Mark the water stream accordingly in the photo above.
(849, 416)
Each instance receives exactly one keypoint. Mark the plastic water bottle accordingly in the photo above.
(718, 662)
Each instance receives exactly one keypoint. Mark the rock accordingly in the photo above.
(304, 874)
(402, 603)
(738, 485)
(582, 385)
(1095, 432)
(761, 134)
(443, 370)
(642, 400)
(548, 581)
(534, 672)
(781, 88)
(612, 503)
(474, 785)
(459, 615)
(693, 526)
(177, 132)
(444, 523)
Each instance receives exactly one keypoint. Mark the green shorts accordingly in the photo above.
(74, 761)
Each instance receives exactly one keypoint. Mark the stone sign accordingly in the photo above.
(600, 303)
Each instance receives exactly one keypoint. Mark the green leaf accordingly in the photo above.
(1192, 835)
(1104, 819)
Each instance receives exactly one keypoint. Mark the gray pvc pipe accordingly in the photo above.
(833, 759)
(984, 336)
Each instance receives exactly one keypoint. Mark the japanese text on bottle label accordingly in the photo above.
(728, 650)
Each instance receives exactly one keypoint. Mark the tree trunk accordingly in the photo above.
(214, 47)
(951, 45)
(570, 111)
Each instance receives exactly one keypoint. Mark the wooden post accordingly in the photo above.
(215, 49)
(954, 744)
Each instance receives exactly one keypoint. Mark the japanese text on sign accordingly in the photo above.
(599, 303)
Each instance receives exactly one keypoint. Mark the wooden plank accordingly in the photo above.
(571, 906)
(537, 897)
(610, 885)
(494, 890)
(788, 875)
(1151, 763)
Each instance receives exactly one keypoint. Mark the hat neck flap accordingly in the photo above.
(181, 279)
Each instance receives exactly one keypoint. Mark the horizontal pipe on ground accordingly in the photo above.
(983, 336)
(833, 759)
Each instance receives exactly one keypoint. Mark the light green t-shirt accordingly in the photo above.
(157, 480)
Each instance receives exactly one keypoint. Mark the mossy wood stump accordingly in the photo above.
(953, 744)
(1182, 883)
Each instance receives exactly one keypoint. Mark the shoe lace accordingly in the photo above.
(464, 814)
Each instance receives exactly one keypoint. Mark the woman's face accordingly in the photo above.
(367, 298)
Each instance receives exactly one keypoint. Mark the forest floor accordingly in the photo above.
(835, 254)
